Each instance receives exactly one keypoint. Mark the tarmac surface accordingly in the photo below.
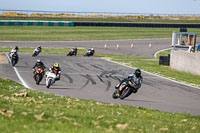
(94, 78)
(140, 46)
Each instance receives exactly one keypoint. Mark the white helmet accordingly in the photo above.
(38, 60)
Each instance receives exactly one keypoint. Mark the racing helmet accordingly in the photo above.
(39, 46)
(16, 48)
(38, 60)
(92, 48)
(56, 66)
(138, 73)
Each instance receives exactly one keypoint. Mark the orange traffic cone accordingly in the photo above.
(117, 46)
(149, 45)
(131, 45)
(105, 46)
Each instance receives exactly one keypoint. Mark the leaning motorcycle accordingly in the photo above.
(127, 90)
(50, 78)
(72, 53)
(38, 74)
(14, 59)
(36, 52)
(89, 53)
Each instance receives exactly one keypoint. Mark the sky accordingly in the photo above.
(120, 6)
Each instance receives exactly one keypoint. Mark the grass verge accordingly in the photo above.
(23, 110)
(45, 33)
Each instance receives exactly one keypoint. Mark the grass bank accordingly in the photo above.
(23, 110)
(45, 33)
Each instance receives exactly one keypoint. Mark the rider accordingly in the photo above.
(14, 50)
(91, 51)
(39, 48)
(56, 69)
(73, 51)
(38, 64)
(134, 77)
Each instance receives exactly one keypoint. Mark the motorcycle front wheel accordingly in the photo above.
(125, 93)
(49, 83)
(13, 63)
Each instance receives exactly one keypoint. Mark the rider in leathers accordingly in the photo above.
(134, 77)
(90, 52)
(73, 51)
(56, 69)
(38, 49)
(38, 64)
(14, 50)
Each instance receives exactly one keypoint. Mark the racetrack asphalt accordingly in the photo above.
(140, 46)
(93, 78)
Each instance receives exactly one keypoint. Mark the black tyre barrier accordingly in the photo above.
(151, 25)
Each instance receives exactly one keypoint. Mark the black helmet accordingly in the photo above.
(138, 73)
(16, 48)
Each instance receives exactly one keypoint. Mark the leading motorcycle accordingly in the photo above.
(127, 88)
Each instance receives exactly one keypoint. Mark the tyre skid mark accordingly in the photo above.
(68, 77)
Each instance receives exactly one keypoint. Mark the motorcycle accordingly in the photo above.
(36, 52)
(127, 90)
(38, 74)
(89, 53)
(72, 52)
(14, 59)
(50, 78)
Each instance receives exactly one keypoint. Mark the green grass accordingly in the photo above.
(45, 33)
(163, 53)
(36, 111)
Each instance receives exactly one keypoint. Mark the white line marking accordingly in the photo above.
(186, 84)
(18, 75)
(155, 55)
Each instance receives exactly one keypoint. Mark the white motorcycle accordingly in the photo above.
(50, 78)
(36, 52)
